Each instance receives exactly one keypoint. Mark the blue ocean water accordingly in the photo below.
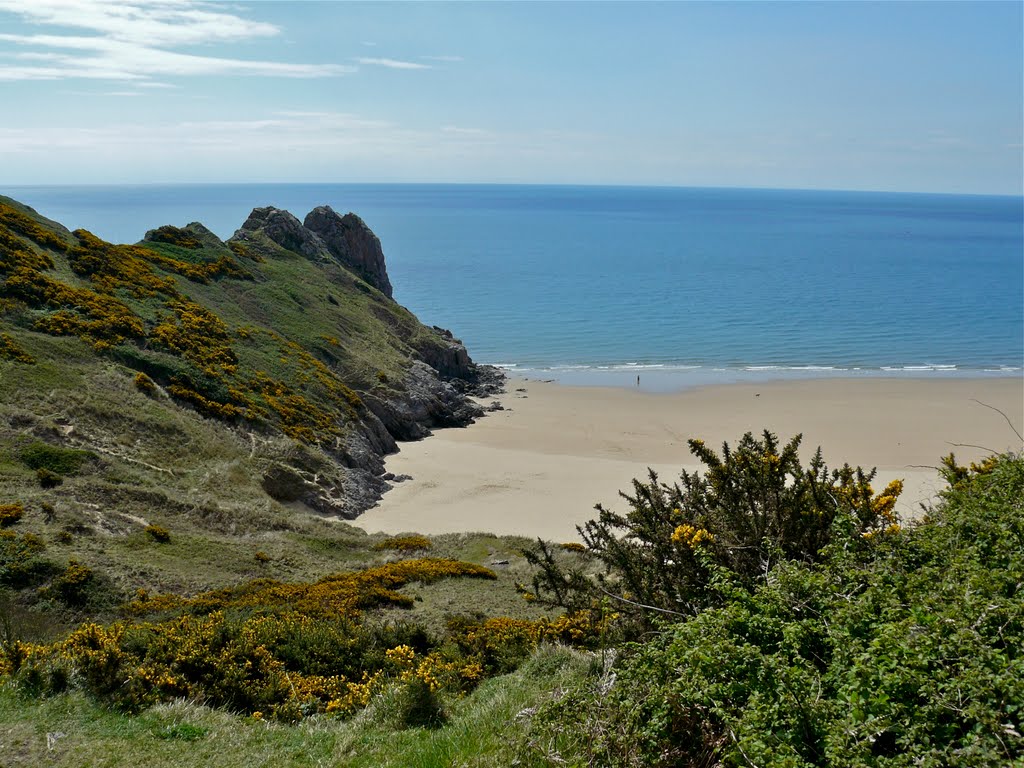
(599, 284)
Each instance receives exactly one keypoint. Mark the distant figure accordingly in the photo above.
(638, 379)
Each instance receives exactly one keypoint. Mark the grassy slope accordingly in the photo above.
(480, 732)
(159, 462)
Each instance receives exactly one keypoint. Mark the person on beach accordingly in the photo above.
(638, 379)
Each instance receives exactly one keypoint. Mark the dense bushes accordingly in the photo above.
(282, 650)
(753, 506)
(909, 653)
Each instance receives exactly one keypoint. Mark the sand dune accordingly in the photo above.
(538, 467)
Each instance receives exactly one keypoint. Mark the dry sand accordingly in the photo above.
(538, 467)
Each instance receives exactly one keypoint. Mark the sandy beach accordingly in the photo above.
(538, 467)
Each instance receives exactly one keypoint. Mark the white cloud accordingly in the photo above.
(447, 59)
(134, 41)
(151, 22)
(392, 63)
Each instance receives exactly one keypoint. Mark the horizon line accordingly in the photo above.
(509, 184)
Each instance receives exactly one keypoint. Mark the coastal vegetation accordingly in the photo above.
(177, 586)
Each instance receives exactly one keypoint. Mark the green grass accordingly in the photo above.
(482, 730)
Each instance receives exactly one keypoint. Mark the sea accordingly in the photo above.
(658, 287)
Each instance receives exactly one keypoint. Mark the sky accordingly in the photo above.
(895, 96)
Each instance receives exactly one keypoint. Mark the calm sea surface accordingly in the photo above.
(601, 284)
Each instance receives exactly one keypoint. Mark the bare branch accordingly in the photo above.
(1010, 423)
(641, 605)
(971, 445)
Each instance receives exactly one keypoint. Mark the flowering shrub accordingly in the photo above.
(881, 656)
(283, 650)
(71, 586)
(20, 561)
(753, 505)
(158, 533)
(11, 514)
(144, 384)
(174, 236)
(18, 222)
(9, 350)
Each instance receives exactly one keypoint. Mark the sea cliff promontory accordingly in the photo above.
(284, 339)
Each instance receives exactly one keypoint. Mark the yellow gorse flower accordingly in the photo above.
(691, 536)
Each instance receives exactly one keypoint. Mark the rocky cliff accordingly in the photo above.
(286, 336)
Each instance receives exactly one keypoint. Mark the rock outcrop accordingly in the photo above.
(433, 392)
(285, 230)
(352, 243)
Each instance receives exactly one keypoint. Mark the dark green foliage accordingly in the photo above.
(63, 461)
(48, 479)
(419, 706)
(174, 236)
(166, 368)
(72, 586)
(910, 654)
(158, 533)
(11, 514)
(752, 506)
(21, 564)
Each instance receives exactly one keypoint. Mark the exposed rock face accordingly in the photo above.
(352, 243)
(448, 356)
(426, 402)
(433, 392)
(287, 231)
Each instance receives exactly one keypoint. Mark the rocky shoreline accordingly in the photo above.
(435, 393)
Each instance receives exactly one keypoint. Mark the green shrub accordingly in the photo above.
(906, 654)
(11, 514)
(144, 384)
(48, 479)
(419, 706)
(62, 461)
(9, 350)
(158, 533)
(72, 585)
(21, 564)
(753, 506)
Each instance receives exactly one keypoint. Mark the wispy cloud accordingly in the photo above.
(461, 131)
(392, 63)
(447, 59)
(134, 41)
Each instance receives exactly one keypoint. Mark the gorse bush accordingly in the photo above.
(906, 653)
(752, 506)
(280, 650)
(158, 533)
(9, 350)
(21, 561)
(48, 479)
(11, 514)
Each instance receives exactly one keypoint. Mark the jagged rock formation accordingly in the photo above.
(283, 228)
(323, 236)
(352, 243)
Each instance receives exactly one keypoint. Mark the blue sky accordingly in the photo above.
(914, 96)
